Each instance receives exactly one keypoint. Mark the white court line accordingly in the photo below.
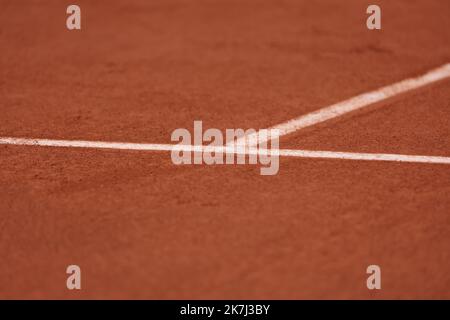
(225, 149)
(364, 156)
(352, 104)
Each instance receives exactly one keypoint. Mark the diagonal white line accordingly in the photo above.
(225, 149)
(352, 104)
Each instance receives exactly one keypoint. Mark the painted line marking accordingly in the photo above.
(355, 103)
(224, 149)
(364, 156)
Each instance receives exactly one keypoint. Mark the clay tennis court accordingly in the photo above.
(141, 227)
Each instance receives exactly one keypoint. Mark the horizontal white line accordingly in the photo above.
(364, 156)
(225, 149)
(86, 144)
(352, 104)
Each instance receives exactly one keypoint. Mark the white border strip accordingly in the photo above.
(227, 149)
(364, 156)
(355, 103)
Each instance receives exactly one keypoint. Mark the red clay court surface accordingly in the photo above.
(141, 227)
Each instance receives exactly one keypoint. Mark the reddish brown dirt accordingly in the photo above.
(141, 227)
(415, 123)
